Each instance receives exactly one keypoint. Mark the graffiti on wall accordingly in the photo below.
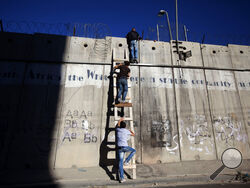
(195, 129)
(229, 130)
(77, 126)
(162, 136)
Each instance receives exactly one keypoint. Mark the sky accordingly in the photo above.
(219, 21)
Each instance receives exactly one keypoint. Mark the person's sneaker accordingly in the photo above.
(119, 100)
(125, 164)
(122, 180)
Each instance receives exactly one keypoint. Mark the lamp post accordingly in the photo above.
(158, 37)
(161, 13)
(176, 22)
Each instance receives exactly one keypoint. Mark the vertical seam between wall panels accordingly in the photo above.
(209, 108)
(140, 104)
(244, 120)
(61, 116)
(175, 103)
(103, 72)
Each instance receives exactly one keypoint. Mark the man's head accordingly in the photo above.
(133, 29)
(127, 63)
(123, 124)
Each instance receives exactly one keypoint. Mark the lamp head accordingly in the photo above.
(161, 12)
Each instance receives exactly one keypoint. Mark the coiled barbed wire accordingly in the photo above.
(96, 30)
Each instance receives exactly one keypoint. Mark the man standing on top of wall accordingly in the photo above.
(122, 82)
(132, 40)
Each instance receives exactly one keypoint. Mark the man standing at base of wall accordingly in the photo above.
(122, 81)
(132, 40)
(123, 135)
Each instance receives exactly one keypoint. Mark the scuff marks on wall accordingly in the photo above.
(162, 136)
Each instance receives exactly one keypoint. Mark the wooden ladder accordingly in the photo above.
(129, 106)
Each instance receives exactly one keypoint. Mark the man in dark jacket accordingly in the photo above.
(132, 40)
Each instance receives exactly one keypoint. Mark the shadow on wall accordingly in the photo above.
(29, 105)
(109, 165)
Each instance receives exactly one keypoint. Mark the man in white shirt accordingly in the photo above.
(123, 135)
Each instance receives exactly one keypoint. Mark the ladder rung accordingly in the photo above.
(123, 105)
(110, 143)
(127, 98)
(119, 60)
(129, 86)
(129, 166)
(125, 119)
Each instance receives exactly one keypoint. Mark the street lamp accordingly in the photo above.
(161, 13)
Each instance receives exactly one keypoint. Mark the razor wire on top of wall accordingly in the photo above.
(97, 30)
(194, 36)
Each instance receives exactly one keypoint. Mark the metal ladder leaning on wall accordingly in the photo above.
(128, 105)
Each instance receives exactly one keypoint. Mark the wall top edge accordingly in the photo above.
(108, 37)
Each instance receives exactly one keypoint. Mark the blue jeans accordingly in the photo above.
(122, 85)
(121, 152)
(134, 49)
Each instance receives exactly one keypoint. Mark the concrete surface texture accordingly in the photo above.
(156, 53)
(56, 102)
(240, 56)
(215, 56)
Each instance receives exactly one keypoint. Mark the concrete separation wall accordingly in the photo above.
(57, 96)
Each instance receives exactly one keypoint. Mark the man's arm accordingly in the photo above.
(132, 133)
(119, 122)
(117, 66)
(128, 74)
(138, 36)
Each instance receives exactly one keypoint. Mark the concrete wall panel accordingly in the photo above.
(135, 98)
(215, 56)
(195, 129)
(107, 148)
(158, 117)
(15, 46)
(50, 48)
(243, 83)
(240, 56)
(121, 47)
(227, 117)
(89, 50)
(79, 139)
(156, 53)
(11, 77)
(33, 137)
(194, 60)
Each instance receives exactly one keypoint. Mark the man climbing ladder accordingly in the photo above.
(123, 135)
(122, 83)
